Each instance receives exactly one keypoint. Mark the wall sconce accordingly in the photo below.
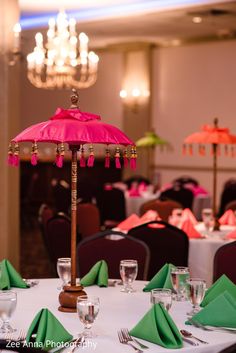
(134, 98)
(15, 54)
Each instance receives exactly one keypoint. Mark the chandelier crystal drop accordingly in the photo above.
(64, 61)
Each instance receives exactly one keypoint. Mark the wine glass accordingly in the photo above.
(87, 309)
(207, 218)
(179, 276)
(162, 296)
(8, 300)
(64, 270)
(128, 273)
(195, 291)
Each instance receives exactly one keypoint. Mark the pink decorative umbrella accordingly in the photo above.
(75, 128)
(215, 136)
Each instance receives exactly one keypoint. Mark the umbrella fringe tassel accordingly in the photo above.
(133, 158)
(91, 158)
(125, 159)
(117, 158)
(107, 159)
(82, 161)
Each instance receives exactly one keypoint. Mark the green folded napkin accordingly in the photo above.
(221, 311)
(221, 285)
(46, 331)
(97, 275)
(158, 327)
(9, 277)
(161, 280)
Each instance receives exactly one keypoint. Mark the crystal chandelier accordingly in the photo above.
(64, 61)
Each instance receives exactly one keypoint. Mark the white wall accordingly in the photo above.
(192, 85)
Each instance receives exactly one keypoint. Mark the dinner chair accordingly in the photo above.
(112, 247)
(185, 179)
(180, 194)
(224, 262)
(136, 179)
(45, 213)
(228, 194)
(111, 204)
(231, 206)
(88, 219)
(167, 244)
(164, 208)
(57, 238)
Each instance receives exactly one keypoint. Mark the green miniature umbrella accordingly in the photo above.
(161, 280)
(158, 327)
(151, 139)
(97, 275)
(9, 277)
(46, 331)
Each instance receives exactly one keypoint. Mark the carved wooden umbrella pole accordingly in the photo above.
(215, 136)
(77, 129)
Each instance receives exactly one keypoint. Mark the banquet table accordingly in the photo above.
(133, 203)
(117, 310)
(202, 251)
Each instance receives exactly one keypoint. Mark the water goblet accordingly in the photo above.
(64, 270)
(8, 300)
(128, 273)
(87, 309)
(195, 291)
(162, 296)
(179, 276)
(207, 218)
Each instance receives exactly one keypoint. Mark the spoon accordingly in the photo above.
(189, 334)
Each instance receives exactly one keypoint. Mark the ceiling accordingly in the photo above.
(144, 21)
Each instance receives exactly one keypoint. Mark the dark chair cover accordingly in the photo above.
(167, 245)
(57, 237)
(224, 262)
(101, 247)
(164, 208)
(138, 179)
(111, 204)
(88, 219)
(231, 206)
(228, 195)
(185, 179)
(180, 194)
(230, 349)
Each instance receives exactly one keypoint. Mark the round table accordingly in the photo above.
(117, 310)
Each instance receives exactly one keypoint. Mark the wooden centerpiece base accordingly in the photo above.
(68, 298)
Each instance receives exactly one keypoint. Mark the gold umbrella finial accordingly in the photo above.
(74, 99)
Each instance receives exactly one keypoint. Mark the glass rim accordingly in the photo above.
(64, 259)
(6, 292)
(82, 298)
(128, 261)
(179, 268)
(164, 290)
(193, 279)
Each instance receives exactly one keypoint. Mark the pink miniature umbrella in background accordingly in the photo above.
(75, 128)
(215, 136)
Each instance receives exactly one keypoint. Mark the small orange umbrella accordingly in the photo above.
(215, 136)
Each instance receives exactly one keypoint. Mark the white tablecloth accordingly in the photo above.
(117, 310)
(202, 252)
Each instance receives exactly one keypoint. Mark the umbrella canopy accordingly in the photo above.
(151, 139)
(76, 128)
(215, 136)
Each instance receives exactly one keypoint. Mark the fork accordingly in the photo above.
(124, 340)
(22, 336)
(212, 328)
(126, 334)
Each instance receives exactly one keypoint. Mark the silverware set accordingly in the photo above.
(212, 328)
(125, 340)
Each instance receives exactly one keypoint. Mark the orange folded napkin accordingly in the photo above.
(189, 229)
(130, 222)
(231, 235)
(187, 214)
(148, 216)
(228, 218)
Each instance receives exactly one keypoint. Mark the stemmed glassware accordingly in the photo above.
(8, 300)
(195, 291)
(179, 276)
(207, 218)
(64, 270)
(162, 296)
(87, 309)
(128, 273)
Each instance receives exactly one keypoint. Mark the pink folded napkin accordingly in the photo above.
(228, 218)
(148, 216)
(188, 215)
(134, 192)
(231, 235)
(130, 222)
(189, 229)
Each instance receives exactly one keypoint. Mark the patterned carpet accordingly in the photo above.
(34, 261)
